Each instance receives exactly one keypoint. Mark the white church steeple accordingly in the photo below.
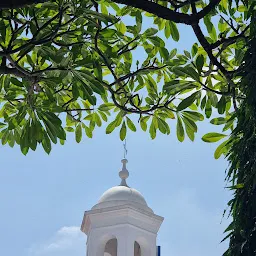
(121, 223)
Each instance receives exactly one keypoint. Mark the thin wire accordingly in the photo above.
(125, 149)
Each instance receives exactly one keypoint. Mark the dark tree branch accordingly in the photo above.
(16, 66)
(168, 14)
(66, 45)
(207, 47)
(230, 24)
(78, 109)
(133, 74)
(234, 99)
(211, 6)
(11, 71)
(125, 47)
(229, 40)
(178, 4)
(18, 3)
(158, 10)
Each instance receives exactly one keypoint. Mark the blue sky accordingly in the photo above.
(43, 197)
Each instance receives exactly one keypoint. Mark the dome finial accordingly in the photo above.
(124, 174)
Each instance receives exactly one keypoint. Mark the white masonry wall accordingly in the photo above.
(126, 236)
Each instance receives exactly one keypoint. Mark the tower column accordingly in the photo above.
(125, 244)
(95, 245)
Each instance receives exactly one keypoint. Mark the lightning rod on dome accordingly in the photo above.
(124, 174)
(125, 149)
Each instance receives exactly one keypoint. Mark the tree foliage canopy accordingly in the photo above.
(77, 60)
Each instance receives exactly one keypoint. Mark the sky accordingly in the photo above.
(43, 197)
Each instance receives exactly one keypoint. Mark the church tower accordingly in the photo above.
(121, 223)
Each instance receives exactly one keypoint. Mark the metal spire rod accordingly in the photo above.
(125, 149)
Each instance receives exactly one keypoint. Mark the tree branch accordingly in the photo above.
(207, 9)
(207, 47)
(168, 14)
(11, 71)
(158, 10)
(229, 40)
(18, 3)
(123, 78)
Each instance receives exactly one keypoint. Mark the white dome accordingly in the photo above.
(123, 193)
(120, 195)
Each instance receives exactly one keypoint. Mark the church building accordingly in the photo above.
(121, 223)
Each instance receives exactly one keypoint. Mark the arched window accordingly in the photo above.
(137, 250)
(111, 248)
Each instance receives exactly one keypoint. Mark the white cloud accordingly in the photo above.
(66, 241)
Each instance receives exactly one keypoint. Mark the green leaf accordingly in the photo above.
(208, 108)
(46, 143)
(237, 186)
(130, 124)
(106, 106)
(61, 134)
(175, 86)
(188, 101)
(213, 137)
(143, 122)
(88, 131)
(194, 116)
(230, 227)
(123, 131)
(78, 133)
(189, 123)
(221, 105)
(5, 137)
(69, 129)
(2, 125)
(156, 41)
(172, 53)
(138, 21)
(104, 8)
(210, 28)
(218, 121)
(94, 84)
(174, 31)
(221, 149)
(225, 238)
(16, 82)
(163, 126)
(98, 73)
(194, 49)
(53, 118)
(190, 127)
(97, 119)
(152, 130)
(150, 32)
(87, 91)
(180, 130)
(187, 71)
(187, 54)
(200, 63)
(110, 128)
(121, 27)
(164, 53)
(167, 29)
(222, 25)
